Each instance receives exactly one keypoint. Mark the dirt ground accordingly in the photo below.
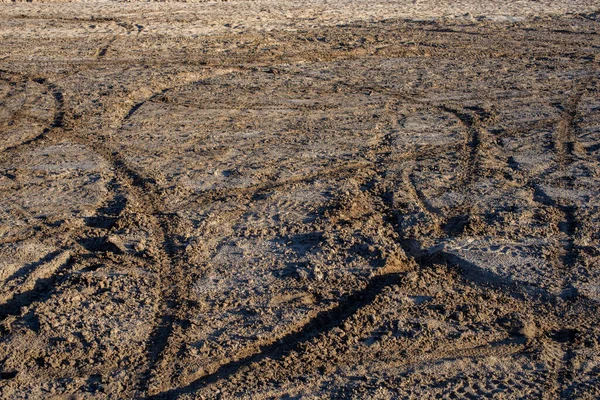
(260, 199)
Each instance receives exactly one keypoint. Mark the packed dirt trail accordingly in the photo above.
(312, 199)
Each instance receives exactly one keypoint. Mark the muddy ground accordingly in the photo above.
(269, 200)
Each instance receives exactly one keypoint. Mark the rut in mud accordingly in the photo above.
(369, 209)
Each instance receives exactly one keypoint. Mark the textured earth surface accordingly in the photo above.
(269, 200)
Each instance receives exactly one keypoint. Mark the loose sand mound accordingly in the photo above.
(272, 200)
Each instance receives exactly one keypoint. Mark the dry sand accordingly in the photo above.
(309, 199)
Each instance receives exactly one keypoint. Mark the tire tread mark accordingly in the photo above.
(147, 196)
(57, 120)
(472, 142)
(565, 132)
(318, 325)
(40, 287)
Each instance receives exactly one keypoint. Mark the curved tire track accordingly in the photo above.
(59, 111)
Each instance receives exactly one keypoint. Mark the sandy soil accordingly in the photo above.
(267, 199)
